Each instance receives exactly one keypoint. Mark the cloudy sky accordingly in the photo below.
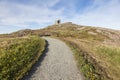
(35, 14)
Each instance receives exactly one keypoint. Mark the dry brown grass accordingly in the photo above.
(89, 39)
(105, 58)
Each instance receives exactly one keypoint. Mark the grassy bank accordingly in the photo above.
(97, 62)
(18, 55)
(97, 50)
(111, 57)
(86, 63)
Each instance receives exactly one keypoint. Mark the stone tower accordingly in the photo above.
(57, 22)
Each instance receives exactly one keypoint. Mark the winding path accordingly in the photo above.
(58, 64)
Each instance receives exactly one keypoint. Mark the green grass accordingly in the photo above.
(107, 58)
(83, 64)
(111, 53)
(18, 57)
(86, 67)
(111, 57)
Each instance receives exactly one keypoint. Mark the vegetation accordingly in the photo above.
(97, 50)
(18, 55)
(84, 64)
(111, 57)
(86, 67)
(95, 64)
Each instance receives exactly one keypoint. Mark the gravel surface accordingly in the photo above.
(58, 64)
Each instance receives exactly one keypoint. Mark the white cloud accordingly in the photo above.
(105, 15)
(15, 14)
(36, 13)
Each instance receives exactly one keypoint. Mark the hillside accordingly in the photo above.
(97, 50)
(100, 47)
(17, 55)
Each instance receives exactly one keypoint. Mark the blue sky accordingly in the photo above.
(36, 14)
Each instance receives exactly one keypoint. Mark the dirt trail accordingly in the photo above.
(58, 64)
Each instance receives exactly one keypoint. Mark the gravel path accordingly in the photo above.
(58, 64)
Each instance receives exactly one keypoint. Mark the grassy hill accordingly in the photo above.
(97, 50)
(17, 55)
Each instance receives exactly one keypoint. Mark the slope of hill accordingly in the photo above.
(97, 50)
(17, 55)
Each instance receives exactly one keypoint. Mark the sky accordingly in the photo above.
(35, 14)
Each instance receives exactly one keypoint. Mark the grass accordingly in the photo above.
(95, 61)
(87, 68)
(111, 53)
(100, 63)
(17, 57)
(111, 57)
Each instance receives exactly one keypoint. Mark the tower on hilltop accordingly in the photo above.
(57, 22)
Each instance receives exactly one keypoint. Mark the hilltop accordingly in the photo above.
(64, 29)
(107, 36)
